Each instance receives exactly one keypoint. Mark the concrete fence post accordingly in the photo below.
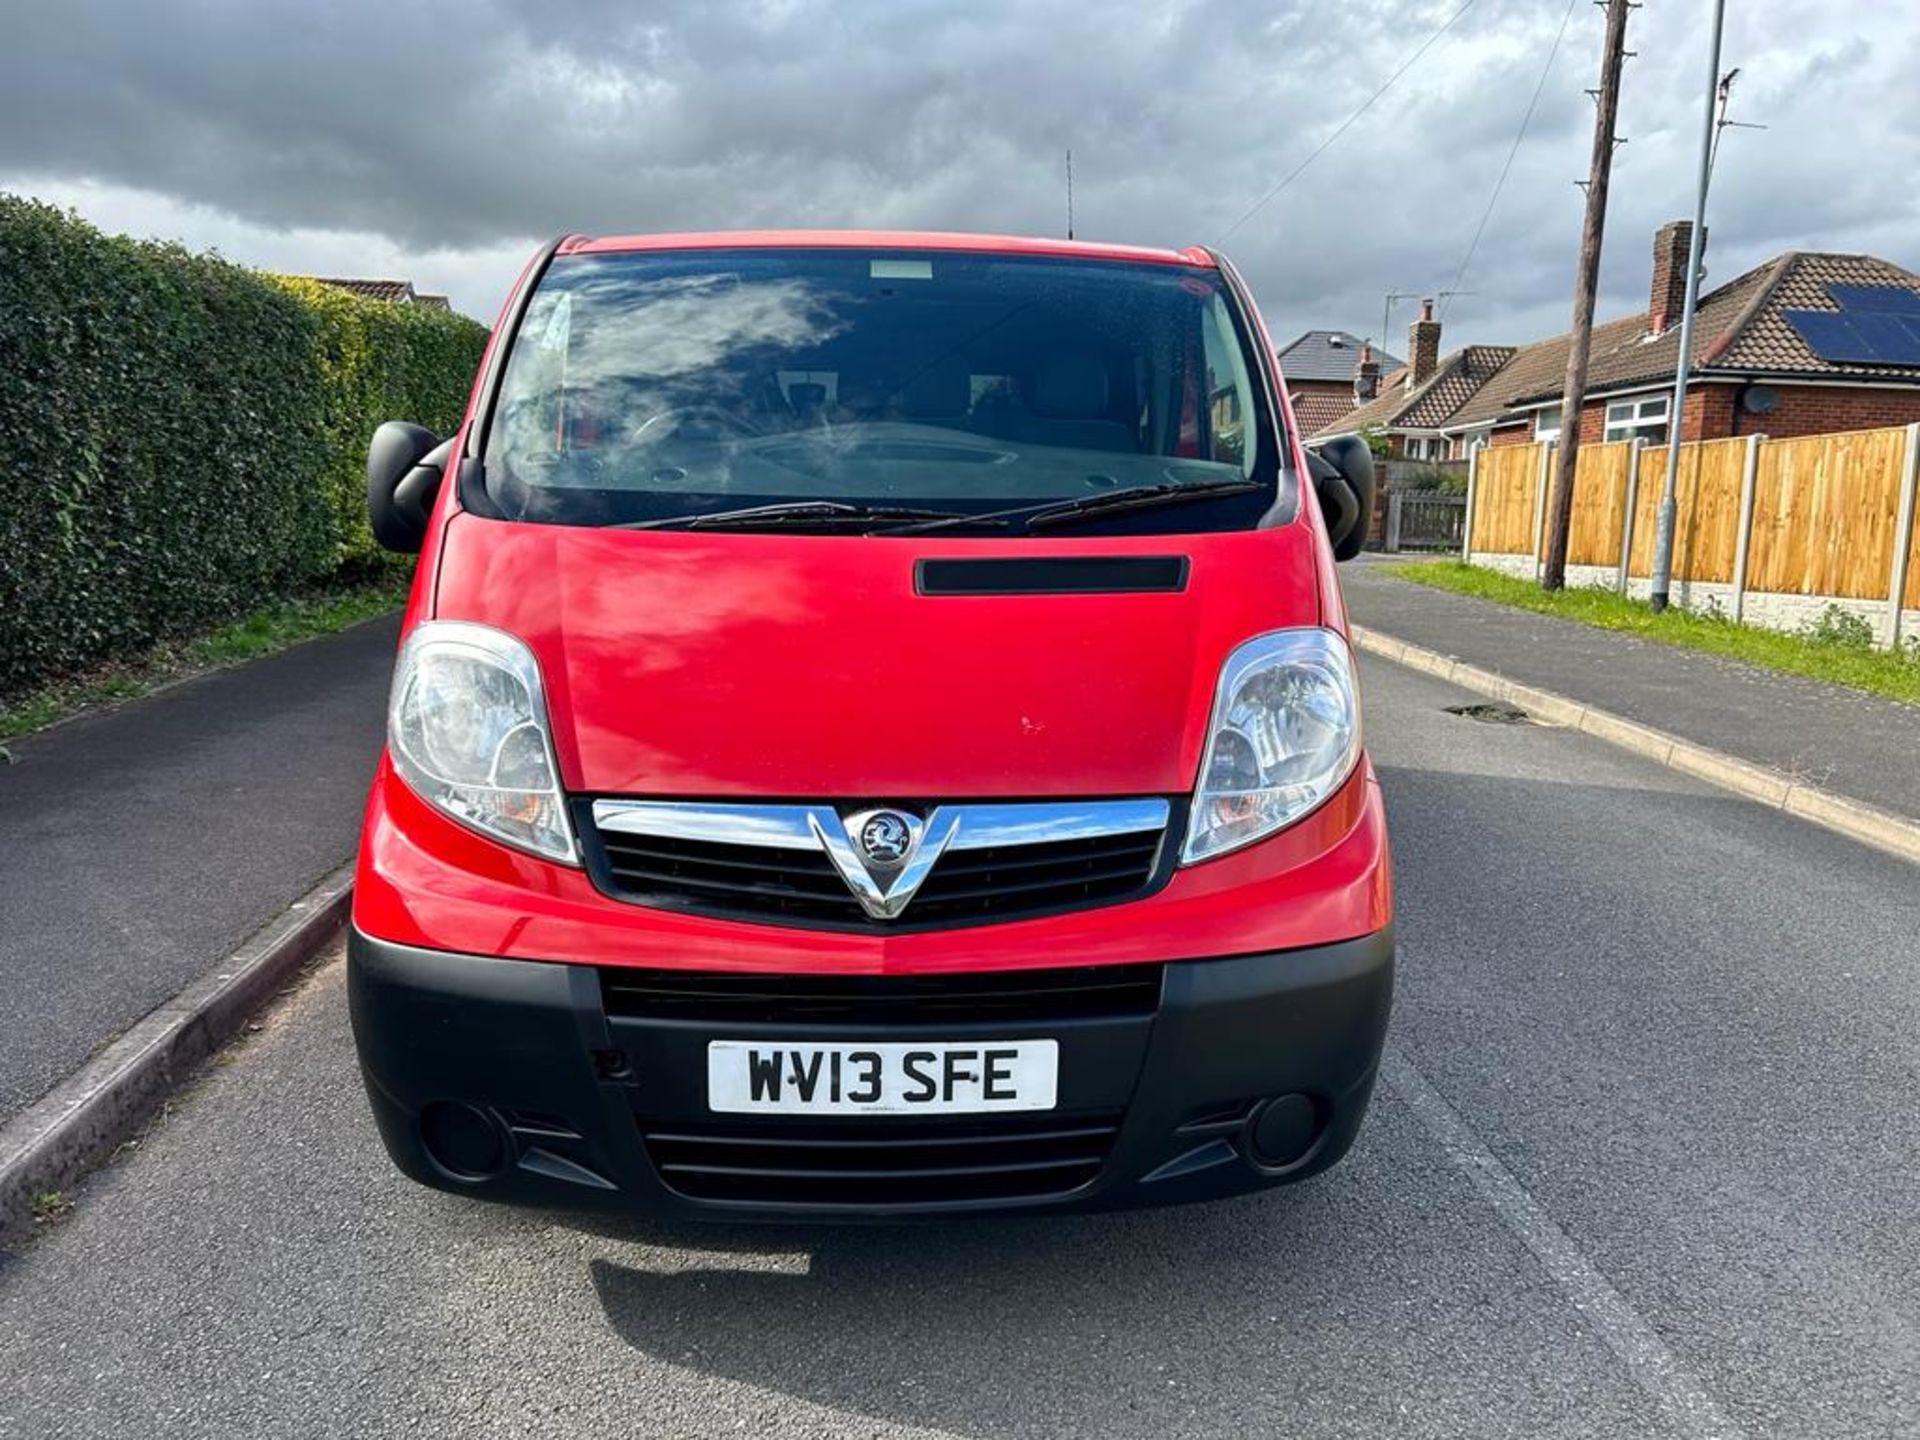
(1473, 492)
(1633, 500)
(1394, 497)
(1903, 531)
(1743, 528)
(1540, 505)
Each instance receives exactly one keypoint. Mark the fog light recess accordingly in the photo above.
(1282, 1131)
(463, 1140)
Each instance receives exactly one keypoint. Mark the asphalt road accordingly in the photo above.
(1642, 1165)
(140, 846)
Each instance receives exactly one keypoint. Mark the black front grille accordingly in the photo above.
(883, 1161)
(707, 875)
(1082, 992)
(1023, 879)
(801, 886)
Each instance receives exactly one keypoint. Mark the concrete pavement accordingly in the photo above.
(1839, 739)
(143, 844)
(1641, 1165)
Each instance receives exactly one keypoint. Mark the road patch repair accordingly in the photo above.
(1868, 824)
(48, 1146)
(1492, 712)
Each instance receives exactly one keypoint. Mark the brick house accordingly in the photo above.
(1323, 370)
(1414, 403)
(1771, 354)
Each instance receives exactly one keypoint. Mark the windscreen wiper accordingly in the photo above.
(1065, 512)
(799, 514)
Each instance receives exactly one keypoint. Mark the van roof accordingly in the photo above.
(882, 240)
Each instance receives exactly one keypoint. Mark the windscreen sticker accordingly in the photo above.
(900, 269)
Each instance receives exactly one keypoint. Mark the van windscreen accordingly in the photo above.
(651, 387)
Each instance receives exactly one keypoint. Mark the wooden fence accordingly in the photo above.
(1771, 531)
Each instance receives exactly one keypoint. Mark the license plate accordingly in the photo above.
(751, 1077)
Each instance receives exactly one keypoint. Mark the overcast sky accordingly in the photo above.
(441, 141)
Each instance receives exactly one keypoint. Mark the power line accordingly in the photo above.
(1347, 123)
(1507, 169)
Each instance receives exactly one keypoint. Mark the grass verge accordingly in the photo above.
(1837, 650)
(272, 627)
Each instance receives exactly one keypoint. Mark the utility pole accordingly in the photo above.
(1586, 282)
(1662, 577)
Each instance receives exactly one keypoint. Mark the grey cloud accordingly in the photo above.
(468, 126)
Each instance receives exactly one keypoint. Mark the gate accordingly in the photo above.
(1425, 520)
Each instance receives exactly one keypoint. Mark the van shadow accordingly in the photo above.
(1323, 1308)
(1009, 1328)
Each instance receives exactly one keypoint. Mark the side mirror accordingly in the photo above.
(1343, 480)
(405, 464)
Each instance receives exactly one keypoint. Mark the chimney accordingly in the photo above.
(1423, 347)
(1366, 378)
(1669, 296)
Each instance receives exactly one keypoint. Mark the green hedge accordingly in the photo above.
(181, 438)
(375, 362)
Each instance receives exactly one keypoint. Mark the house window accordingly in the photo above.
(1638, 420)
(1416, 447)
(1546, 423)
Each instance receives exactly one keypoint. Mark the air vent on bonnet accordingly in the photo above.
(1052, 575)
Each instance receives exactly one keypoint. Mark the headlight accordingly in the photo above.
(467, 729)
(1285, 732)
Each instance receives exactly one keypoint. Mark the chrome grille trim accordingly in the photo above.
(798, 827)
(789, 827)
(883, 888)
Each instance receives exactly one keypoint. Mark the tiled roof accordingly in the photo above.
(1538, 371)
(1378, 411)
(1622, 353)
(1739, 328)
(1328, 355)
(397, 290)
(1456, 379)
(1765, 341)
(433, 302)
(1452, 386)
(1314, 410)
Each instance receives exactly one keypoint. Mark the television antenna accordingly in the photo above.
(1723, 101)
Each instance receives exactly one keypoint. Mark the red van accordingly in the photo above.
(875, 735)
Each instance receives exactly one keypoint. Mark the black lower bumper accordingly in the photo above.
(567, 1086)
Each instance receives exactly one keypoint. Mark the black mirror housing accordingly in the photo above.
(405, 464)
(1343, 480)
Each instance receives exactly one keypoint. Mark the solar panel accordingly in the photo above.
(1896, 299)
(1890, 337)
(1831, 337)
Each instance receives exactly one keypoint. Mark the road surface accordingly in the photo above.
(1643, 1164)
